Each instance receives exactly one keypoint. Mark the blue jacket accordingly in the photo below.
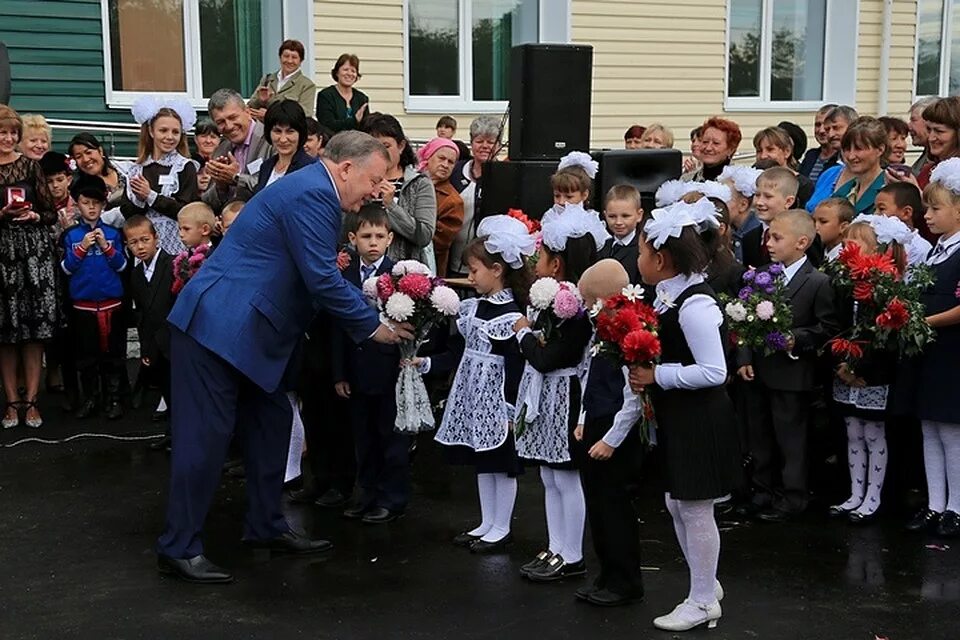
(826, 185)
(256, 294)
(93, 274)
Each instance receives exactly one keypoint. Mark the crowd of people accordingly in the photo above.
(90, 246)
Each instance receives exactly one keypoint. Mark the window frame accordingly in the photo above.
(946, 33)
(839, 79)
(553, 26)
(296, 22)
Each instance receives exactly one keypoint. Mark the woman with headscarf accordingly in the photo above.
(437, 159)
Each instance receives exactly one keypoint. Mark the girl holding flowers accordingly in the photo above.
(553, 339)
(696, 429)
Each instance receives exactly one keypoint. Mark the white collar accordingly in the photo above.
(148, 266)
(500, 297)
(627, 240)
(670, 289)
(834, 253)
(949, 242)
(789, 272)
(375, 265)
(282, 78)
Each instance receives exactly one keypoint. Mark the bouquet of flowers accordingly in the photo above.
(888, 314)
(533, 228)
(627, 333)
(410, 294)
(185, 266)
(760, 316)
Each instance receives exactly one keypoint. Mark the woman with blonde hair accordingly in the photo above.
(37, 136)
(657, 136)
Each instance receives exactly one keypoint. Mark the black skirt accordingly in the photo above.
(503, 459)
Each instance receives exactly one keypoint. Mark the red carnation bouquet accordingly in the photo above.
(185, 266)
(627, 333)
(888, 314)
(533, 228)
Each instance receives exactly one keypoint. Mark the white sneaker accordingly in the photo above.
(689, 614)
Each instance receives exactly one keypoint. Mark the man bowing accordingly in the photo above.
(234, 327)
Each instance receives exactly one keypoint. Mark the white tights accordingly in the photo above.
(941, 461)
(498, 493)
(867, 460)
(699, 539)
(566, 512)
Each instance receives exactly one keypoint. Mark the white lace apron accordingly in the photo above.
(168, 231)
(544, 398)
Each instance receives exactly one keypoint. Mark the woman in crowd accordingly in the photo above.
(37, 136)
(942, 119)
(206, 137)
(288, 83)
(484, 145)
(718, 142)
(29, 311)
(897, 131)
(406, 193)
(633, 136)
(286, 125)
(438, 158)
(864, 147)
(341, 106)
(774, 147)
(164, 178)
(91, 159)
(657, 136)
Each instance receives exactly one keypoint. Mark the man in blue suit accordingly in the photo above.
(234, 328)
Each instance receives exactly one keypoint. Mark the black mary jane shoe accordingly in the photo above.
(465, 539)
(538, 561)
(858, 518)
(837, 511)
(924, 520)
(556, 569)
(949, 525)
(483, 547)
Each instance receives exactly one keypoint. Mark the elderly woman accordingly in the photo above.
(864, 147)
(285, 124)
(91, 159)
(29, 313)
(633, 136)
(288, 83)
(656, 136)
(775, 148)
(37, 136)
(942, 121)
(897, 131)
(719, 139)
(484, 140)
(407, 194)
(438, 158)
(340, 106)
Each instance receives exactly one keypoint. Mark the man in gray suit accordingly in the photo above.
(236, 161)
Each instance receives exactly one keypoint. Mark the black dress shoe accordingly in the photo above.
(583, 593)
(949, 525)
(380, 515)
(538, 561)
(292, 542)
(465, 539)
(924, 520)
(160, 416)
(195, 569)
(163, 444)
(856, 517)
(775, 515)
(747, 510)
(331, 499)
(114, 410)
(356, 512)
(556, 569)
(482, 547)
(303, 495)
(836, 511)
(88, 409)
(607, 598)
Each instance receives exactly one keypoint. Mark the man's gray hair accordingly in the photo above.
(843, 111)
(486, 127)
(222, 97)
(922, 104)
(353, 145)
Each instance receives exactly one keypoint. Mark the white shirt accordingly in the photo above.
(282, 79)
(789, 272)
(627, 240)
(944, 249)
(917, 249)
(274, 176)
(148, 267)
(375, 265)
(834, 253)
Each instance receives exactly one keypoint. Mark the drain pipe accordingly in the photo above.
(884, 88)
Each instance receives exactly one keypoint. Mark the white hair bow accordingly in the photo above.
(145, 109)
(669, 222)
(582, 160)
(573, 222)
(671, 191)
(508, 237)
(947, 173)
(744, 179)
(887, 229)
(703, 213)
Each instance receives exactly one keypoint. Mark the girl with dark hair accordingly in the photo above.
(723, 271)
(286, 125)
(407, 195)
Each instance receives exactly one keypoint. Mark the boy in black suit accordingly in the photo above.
(150, 284)
(366, 374)
(776, 193)
(781, 383)
(622, 213)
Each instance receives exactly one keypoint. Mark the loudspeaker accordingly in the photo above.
(4, 75)
(524, 184)
(550, 87)
(646, 169)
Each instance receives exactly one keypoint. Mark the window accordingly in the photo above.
(777, 52)
(938, 48)
(193, 47)
(458, 51)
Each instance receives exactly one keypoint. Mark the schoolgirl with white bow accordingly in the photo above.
(477, 425)
(936, 406)
(696, 432)
(549, 399)
(743, 219)
(573, 182)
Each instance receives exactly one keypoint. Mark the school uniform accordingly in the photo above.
(779, 396)
(756, 254)
(625, 251)
(150, 290)
(936, 385)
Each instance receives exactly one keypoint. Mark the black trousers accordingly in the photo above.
(778, 422)
(100, 369)
(329, 437)
(607, 488)
(383, 461)
(157, 373)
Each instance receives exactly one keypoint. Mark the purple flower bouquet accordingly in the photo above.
(760, 317)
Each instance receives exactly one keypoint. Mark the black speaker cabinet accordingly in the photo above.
(524, 184)
(550, 88)
(646, 169)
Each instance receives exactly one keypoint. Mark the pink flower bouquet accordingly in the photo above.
(185, 266)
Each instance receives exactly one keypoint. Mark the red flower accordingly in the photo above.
(532, 225)
(850, 254)
(640, 346)
(862, 291)
(615, 302)
(846, 348)
(385, 286)
(895, 316)
(647, 314)
(415, 285)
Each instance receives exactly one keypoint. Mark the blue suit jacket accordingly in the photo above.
(256, 294)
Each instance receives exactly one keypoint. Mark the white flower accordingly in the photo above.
(736, 311)
(596, 308)
(543, 292)
(445, 300)
(404, 267)
(399, 307)
(765, 310)
(633, 292)
(750, 318)
(370, 287)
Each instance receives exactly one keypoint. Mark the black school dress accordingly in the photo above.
(937, 368)
(696, 429)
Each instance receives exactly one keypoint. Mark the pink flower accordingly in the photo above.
(765, 310)
(445, 300)
(196, 259)
(385, 287)
(415, 285)
(566, 305)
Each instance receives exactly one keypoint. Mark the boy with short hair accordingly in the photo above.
(230, 213)
(903, 201)
(831, 219)
(93, 260)
(781, 383)
(197, 222)
(622, 212)
(56, 169)
(776, 193)
(366, 374)
(317, 137)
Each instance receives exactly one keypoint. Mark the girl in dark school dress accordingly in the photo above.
(696, 429)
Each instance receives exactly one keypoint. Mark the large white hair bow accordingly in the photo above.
(582, 160)
(744, 179)
(145, 109)
(947, 173)
(508, 237)
(671, 191)
(669, 222)
(573, 222)
(887, 229)
(703, 213)
(712, 189)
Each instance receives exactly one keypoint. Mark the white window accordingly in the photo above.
(790, 54)
(938, 48)
(457, 52)
(194, 47)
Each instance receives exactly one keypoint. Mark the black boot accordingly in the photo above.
(87, 409)
(114, 409)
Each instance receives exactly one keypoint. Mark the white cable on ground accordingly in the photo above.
(106, 436)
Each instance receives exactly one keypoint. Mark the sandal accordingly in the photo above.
(7, 422)
(33, 423)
